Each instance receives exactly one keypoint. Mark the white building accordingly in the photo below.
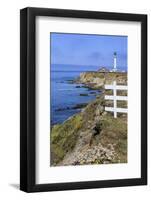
(114, 69)
(115, 62)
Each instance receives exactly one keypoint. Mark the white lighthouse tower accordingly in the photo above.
(115, 62)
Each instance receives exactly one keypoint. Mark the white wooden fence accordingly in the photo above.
(116, 98)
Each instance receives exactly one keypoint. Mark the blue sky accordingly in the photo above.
(88, 50)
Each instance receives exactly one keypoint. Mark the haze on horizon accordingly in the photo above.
(88, 50)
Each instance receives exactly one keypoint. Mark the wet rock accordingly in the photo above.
(78, 86)
(83, 94)
(80, 105)
(92, 92)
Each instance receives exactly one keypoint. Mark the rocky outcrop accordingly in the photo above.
(95, 155)
(97, 80)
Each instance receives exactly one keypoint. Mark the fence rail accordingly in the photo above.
(119, 98)
(116, 98)
(120, 110)
(118, 87)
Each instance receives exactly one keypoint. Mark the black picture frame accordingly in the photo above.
(28, 99)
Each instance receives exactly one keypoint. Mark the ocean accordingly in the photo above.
(66, 95)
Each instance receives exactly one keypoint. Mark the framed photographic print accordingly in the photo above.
(83, 99)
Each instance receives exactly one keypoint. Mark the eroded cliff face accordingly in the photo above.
(97, 80)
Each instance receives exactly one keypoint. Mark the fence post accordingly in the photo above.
(115, 102)
(114, 87)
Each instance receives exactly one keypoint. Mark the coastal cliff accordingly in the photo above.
(97, 80)
(92, 136)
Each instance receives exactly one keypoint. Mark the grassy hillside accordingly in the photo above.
(90, 137)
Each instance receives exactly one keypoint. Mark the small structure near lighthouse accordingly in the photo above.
(113, 67)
